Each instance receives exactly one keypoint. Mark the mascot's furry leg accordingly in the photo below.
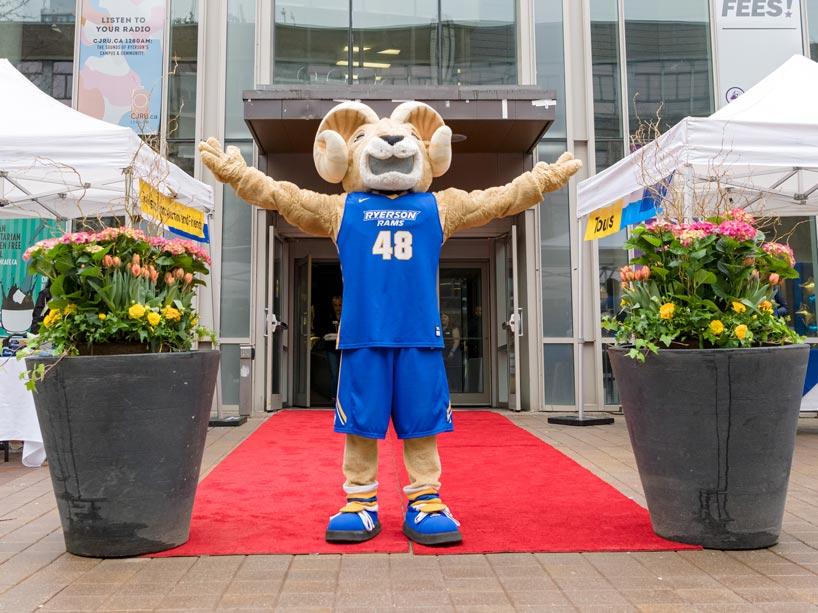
(357, 521)
(428, 520)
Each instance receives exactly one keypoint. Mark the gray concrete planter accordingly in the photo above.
(124, 437)
(713, 432)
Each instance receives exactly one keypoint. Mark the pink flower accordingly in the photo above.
(739, 215)
(739, 230)
(780, 252)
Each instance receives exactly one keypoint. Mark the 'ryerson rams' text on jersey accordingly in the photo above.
(390, 251)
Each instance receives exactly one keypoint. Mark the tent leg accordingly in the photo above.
(579, 419)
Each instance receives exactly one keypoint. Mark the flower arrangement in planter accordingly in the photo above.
(710, 378)
(120, 379)
(705, 284)
(119, 287)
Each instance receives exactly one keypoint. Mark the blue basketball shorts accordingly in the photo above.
(407, 385)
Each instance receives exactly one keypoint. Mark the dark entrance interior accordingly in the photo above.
(326, 284)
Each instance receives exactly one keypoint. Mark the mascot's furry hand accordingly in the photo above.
(227, 166)
(551, 177)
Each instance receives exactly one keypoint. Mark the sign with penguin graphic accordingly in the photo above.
(18, 288)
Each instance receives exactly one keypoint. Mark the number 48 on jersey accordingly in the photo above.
(400, 245)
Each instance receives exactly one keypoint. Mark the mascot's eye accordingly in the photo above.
(358, 137)
(414, 135)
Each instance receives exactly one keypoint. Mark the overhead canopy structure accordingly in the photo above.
(58, 163)
(495, 127)
(759, 152)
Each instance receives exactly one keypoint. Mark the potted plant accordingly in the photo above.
(123, 403)
(710, 378)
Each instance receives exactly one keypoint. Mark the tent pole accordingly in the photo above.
(687, 212)
(579, 344)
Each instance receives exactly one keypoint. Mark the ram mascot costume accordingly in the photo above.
(389, 231)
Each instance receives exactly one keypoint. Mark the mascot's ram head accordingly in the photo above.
(363, 152)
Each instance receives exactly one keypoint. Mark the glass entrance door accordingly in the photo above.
(275, 329)
(464, 303)
(509, 321)
(302, 334)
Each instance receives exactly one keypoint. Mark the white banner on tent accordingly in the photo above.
(753, 38)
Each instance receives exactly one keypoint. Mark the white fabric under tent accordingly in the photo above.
(58, 163)
(761, 149)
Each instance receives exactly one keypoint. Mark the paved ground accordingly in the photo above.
(37, 575)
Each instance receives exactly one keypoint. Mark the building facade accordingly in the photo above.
(526, 294)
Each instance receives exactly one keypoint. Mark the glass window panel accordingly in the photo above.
(555, 254)
(394, 43)
(669, 60)
(38, 39)
(241, 44)
(612, 257)
(608, 131)
(236, 251)
(478, 42)
(558, 383)
(812, 24)
(184, 33)
(610, 390)
(799, 294)
(230, 374)
(183, 154)
(550, 57)
(311, 37)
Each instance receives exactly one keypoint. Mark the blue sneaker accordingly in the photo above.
(357, 521)
(429, 521)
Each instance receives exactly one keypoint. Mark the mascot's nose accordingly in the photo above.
(392, 139)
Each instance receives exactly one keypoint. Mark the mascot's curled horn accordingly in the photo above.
(389, 231)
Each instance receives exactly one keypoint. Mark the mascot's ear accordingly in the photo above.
(431, 129)
(330, 152)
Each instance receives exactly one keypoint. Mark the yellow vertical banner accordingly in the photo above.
(604, 221)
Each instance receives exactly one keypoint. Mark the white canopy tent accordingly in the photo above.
(58, 163)
(761, 151)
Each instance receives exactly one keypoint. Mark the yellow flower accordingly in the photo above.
(623, 303)
(69, 309)
(738, 307)
(666, 310)
(765, 306)
(136, 311)
(194, 321)
(741, 331)
(716, 327)
(154, 318)
(102, 316)
(171, 313)
(52, 318)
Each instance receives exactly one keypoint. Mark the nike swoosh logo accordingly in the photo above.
(360, 200)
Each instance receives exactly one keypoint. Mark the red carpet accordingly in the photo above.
(276, 491)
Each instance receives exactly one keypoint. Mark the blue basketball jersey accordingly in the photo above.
(390, 251)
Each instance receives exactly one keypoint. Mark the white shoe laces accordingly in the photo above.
(422, 515)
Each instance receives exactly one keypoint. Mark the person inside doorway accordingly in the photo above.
(452, 354)
(330, 342)
(474, 351)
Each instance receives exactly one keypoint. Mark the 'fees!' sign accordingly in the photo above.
(756, 8)
(753, 38)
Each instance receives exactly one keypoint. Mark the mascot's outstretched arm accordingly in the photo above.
(460, 209)
(314, 213)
